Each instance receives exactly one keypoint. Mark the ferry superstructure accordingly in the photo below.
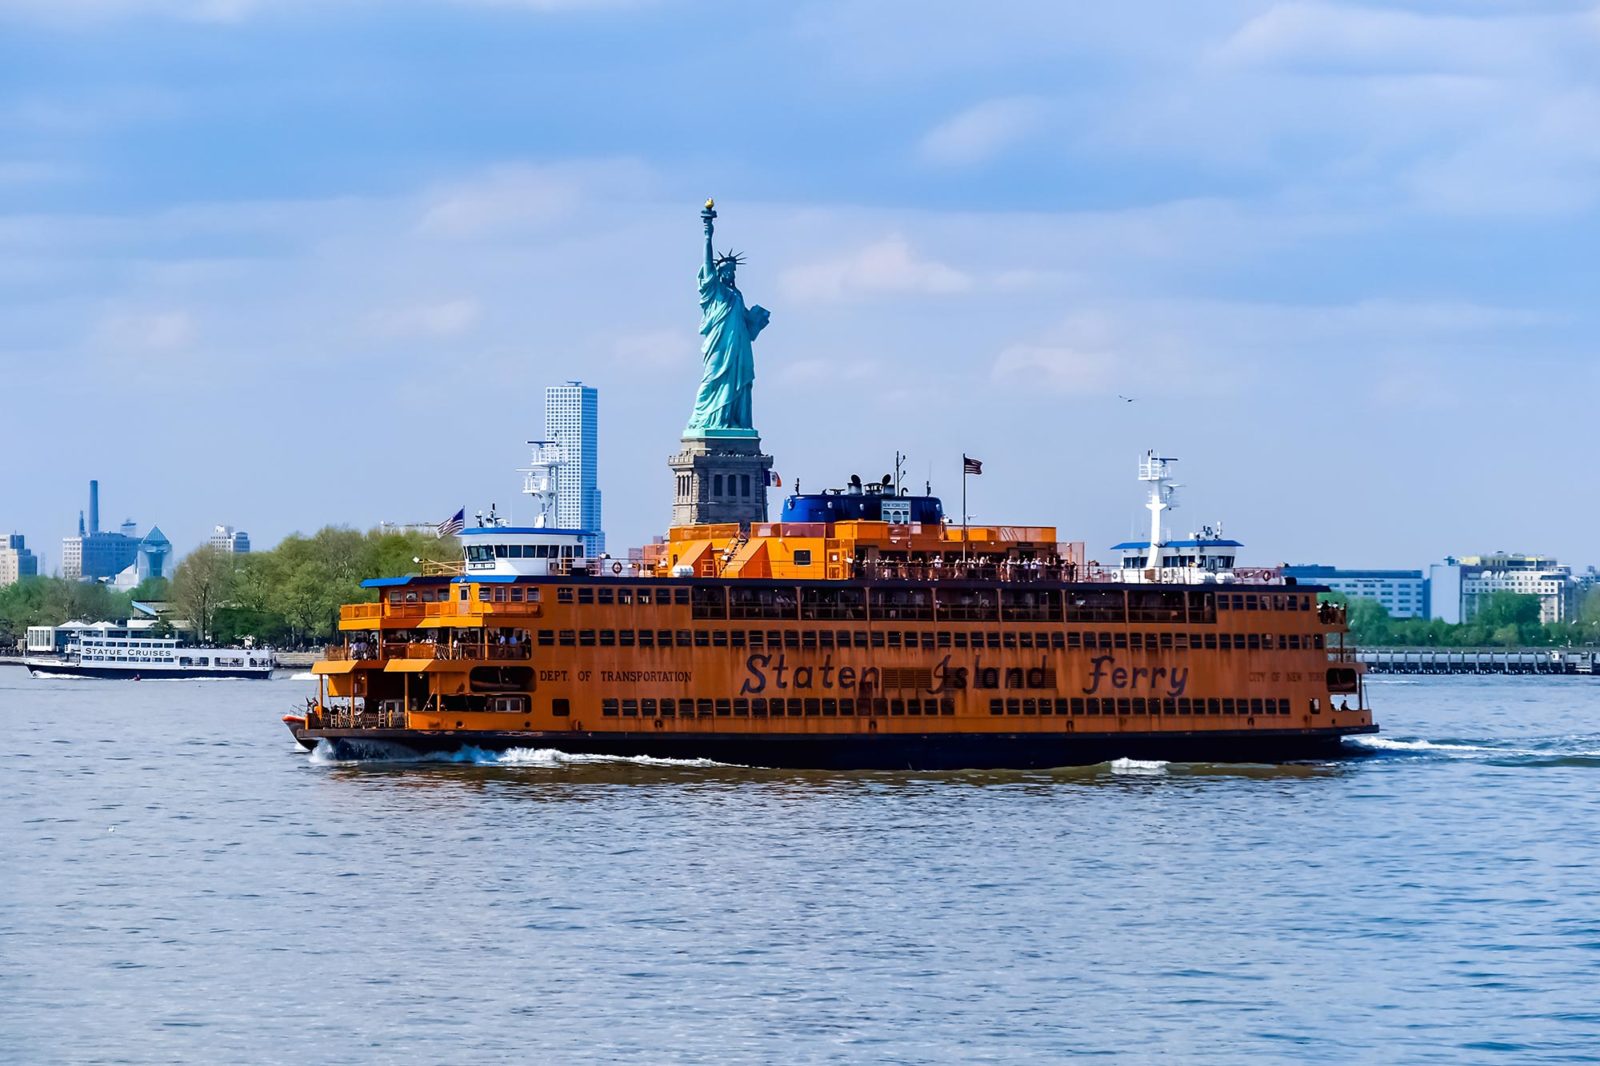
(860, 630)
(114, 653)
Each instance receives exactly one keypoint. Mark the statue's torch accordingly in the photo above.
(707, 213)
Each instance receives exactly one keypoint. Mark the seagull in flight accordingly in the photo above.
(1124, 399)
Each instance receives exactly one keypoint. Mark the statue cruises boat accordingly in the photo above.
(105, 650)
(861, 629)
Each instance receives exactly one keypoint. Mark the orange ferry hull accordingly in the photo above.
(885, 751)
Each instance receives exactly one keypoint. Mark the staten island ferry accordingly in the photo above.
(863, 629)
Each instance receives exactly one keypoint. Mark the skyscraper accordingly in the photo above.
(16, 561)
(94, 555)
(229, 541)
(571, 419)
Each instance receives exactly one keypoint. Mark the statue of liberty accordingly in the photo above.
(728, 369)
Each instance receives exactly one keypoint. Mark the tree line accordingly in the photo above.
(287, 597)
(1503, 619)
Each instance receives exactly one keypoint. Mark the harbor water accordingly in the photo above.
(181, 883)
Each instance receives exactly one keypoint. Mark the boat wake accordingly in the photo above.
(1562, 751)
(1139, 767)
(368, 752)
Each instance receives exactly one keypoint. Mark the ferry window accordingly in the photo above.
(1119, 640)
(1202, 606)
(813, 707)
(1155, 605)
(630, 708)
(1210, 641)
(859, 638)
(802, 557)
(1213, 705)
(643, 596)
(847, 707)
(1096, 605)
(877, 639)
(1316, 640)
(758, 638)
(563, 595)
(1252, 602)
(547, 638)
(741, 708)
(997, 707)
(1267, 643)
(894, 638)
(586, 638)
(1030, 706)
(1074, 641)
(462, 596)
(606, 596)
(702, 639)
(560, 708)
(736, 638)
(514, 551)
(647, 707)
(758, 707)
(966, 604)
(669, 707)
(516, 595)
(703, 708)
(1227, 705)
(897, 707)
(1008, 639)
(943, 639)
(647, 638)
(791, 638)
(680, 597)
(608, 638)
(829, 604)
(586, 595)
(719, 638)
(808, 638)
(625, 596)
(684, 639)
(608, 708)
(500, 551)
(709, 602)
(1013, 706)
(1136, 641)
(1138, 705)
(1169, 706)
(1030, 605)
(830, 708)
(1123, 705)
(762, 602)
(1253, 641)
(499, 594)
(1256, 706)
(825, 638)
(960, 639)
(411, 597)
(625, 638)
(569, 637)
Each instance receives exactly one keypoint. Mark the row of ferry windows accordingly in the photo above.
(812, 707)
(1181, 707)
(894, 638)
(786, 602)
(482, 553)
(759, 707)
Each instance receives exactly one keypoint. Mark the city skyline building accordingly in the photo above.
(572, 421)
(94, 554)
(227, 539)
(1459, 586)
(16, 561)
(1403, 593)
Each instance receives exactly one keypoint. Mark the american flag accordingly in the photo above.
(774, 479)
(454, 524)
(970, 465)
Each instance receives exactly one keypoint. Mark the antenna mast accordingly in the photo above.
(1157, 470)
(541, 479)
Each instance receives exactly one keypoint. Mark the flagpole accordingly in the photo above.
(963, 509)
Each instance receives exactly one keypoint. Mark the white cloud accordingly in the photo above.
(515, 198)
(983, 131)
(885, 267)
(145, 332)
(446, 318)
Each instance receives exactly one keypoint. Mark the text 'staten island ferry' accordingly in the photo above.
(863, 629)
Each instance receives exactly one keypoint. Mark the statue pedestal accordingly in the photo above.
(720, 478)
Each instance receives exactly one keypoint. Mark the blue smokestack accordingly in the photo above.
(94, 507)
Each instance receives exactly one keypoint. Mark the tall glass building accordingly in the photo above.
(572, 420)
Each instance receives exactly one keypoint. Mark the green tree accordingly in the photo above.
(201, 584)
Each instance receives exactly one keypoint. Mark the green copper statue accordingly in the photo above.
(728, 369)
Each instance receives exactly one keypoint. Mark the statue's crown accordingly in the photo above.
(730, 257)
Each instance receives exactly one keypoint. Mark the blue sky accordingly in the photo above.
(280, 263)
